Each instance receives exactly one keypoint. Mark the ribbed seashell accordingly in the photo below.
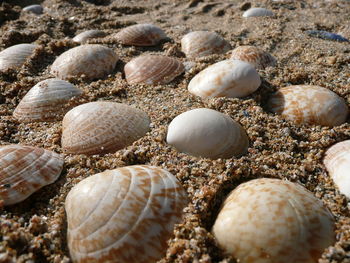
(102, 127)
(46, 101)
(35, 9)
(89, 34)
(207, 133)
(257, 11)
(227, 78)
(337, 162)
(203, 43)
(24, 170)
(14, 57)
(309, 104)
(253, 55)
(141, 35)
(92, 61)
(123, 215)
(152, 69)
(270, 221)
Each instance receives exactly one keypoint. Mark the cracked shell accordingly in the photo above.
(257, 57)
(257, 11)
(14, 57)
(87, 35)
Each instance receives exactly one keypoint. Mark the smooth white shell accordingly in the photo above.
(257, 11)
(89, 34)
(14, 57)
(36, 9)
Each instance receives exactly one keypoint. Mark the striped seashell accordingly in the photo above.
(257, 57)
(123, 215)
(92, 61)
(83, 37)
(152, 69)
(35, 9)
(270, 220)
(141, 35)
(102, 127)
(227, 78)
(46, 101)
(207, 133)
(203, 43)
(309, 104)
(24, 170)
(14, 57)
(337, 162)
(257, 11)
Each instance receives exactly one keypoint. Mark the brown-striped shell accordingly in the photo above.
(257, 57)
(24, 170)
(102, 127)
(152, 69)
(14, 57)
(124, 215)
(89, 34)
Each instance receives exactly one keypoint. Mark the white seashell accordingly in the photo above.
(337, 162)
(92, 61)
(270, 220)
(227, 78)
(203, 43)
(123, 215)
(24, 170)
(46, 101)
(14, 57)
(35, 9)
(102, 127)
(89, 34)
(257, 11)
(207, 133)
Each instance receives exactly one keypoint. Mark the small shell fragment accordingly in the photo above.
(35, 9)
(257, 57)
(257, 11)
(14, 57)
(326, 35)
(83, 37)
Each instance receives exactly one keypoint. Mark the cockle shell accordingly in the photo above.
(92, 61)
(35, 9)
(123, 215)
(24, 170)
(89, 34)
(337, 162)
(203, 43)
(273, 221)
(227, 78)
(46, 101)
(207, 133)
(102, 127)
(141, 35)
(257, 11)
(257, 57)
(14, 57)
(309, 104)
(152, 69)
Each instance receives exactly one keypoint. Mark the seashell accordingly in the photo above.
(24, 170)
(35, 9)
(102, 127)
(227, 78)
(309, 104)
(337, 162)
(92, 61)
(270, 220)
(152, 69)
(14, 57)
(89, 34)
(203, 43)
(140, 35)
(46, 101)
(123, 215)
(207, 133)
(257, 57)
(326, 35)
(257, 11)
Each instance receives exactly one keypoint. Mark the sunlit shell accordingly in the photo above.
(309, 104)
(141, 35)
(337, 162)
(102, 127)
(255, 56)
(89, 34)
(152, 69)
(123, 215)
(270, 220)
(227, 78)
(24, 170)
(35, 9)
(92, 61)
(257, 11)
(14, 57)
(46, 101)
(207, 133)
(203, 43)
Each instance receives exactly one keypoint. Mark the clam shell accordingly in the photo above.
(203, 43)
(227, 78)
(270, 220)
(309, 104)
(102, 127)
(89, 34)
(152, 69)
(14, 57)
(141, 35)
(92, 61)
(257, 11)
(207, 133)
(35, 9)
(46, 101)
(123, 215)
(24, 170)
(337, 162)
